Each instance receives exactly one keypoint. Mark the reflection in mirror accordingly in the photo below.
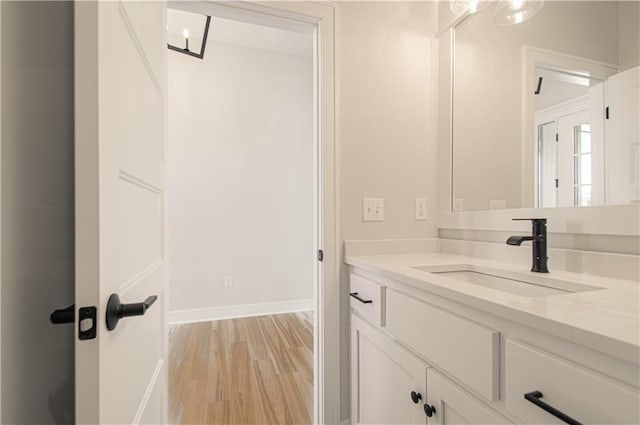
(545, 113)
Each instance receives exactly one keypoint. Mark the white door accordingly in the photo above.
(547, 165)
(388, 383)
(120, 79)
(622, 131)
(575, 159)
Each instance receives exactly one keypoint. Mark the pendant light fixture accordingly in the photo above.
(513, 12)
(198, 26)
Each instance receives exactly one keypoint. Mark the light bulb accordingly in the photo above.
(516, 4)
(185, 33)
(519, 17)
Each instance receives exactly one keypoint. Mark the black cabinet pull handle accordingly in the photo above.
(535, 396)
(116, 310)
(363, 301)
(416, 397)
(65, 315)
(429, 410)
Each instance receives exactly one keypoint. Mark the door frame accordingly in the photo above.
(320, 17)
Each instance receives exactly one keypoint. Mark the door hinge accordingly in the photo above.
(606, 113)
(320, 255)
(87, 323)
(556, 182)
(556, 137)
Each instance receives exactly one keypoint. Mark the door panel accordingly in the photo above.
(455, 406)
(384, 375)
(120, 143)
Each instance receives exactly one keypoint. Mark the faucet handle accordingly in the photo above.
(533, 220)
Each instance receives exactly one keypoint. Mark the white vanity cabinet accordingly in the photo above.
(466, 366)
(388, 383)
(452, 405)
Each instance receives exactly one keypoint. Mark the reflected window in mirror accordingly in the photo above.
(529, 99)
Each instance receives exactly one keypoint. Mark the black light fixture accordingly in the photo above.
(185, 50)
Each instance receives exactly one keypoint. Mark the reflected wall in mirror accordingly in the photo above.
(545, 113)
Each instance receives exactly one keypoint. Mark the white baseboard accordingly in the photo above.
(235, 311)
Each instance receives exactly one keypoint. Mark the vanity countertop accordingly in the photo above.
(607, 319)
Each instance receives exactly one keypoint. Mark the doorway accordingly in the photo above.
(242, 219)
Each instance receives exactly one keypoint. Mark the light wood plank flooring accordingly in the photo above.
(254, 370)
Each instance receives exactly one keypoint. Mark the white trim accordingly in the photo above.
(1, 345)
(568, 107)
(619, 220)
(235, 311)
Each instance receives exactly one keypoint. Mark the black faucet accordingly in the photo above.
(538, 240)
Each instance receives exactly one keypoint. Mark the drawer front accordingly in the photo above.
(460, 347)
(368, 299)
(580, 393)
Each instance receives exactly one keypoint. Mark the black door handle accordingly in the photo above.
(535, 396)
(65, 315)
(355, 295)
(116, 310)
(416, 397)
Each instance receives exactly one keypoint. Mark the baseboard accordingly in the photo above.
(235, 311)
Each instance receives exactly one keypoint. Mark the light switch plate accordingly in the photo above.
(458, 204)
(372, 209)
(421, 208)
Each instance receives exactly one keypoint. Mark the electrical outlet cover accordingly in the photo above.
(421, 208)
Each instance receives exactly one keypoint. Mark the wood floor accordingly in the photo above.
(255, 370)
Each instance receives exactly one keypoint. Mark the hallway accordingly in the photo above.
(254, 370)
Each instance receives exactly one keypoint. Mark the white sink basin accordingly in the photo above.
(522, 284)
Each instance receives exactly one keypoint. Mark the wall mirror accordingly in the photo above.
(545, 111)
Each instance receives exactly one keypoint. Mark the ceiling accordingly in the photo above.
(237, 33)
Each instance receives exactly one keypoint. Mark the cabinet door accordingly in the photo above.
(383, 377)
(453, 405)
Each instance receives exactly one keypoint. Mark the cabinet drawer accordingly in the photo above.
(460, 347)
(368, 299)
(580, 393)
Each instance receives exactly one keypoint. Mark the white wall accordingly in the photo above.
(385, 74)
(240, 179)
(487, 95)
(37, 212)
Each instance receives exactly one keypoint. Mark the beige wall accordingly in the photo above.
(629, 34)
(487, 96)
(240, 175)
(386, 126)
(37, 211)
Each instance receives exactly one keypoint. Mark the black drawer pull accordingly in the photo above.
(363, 301)
(535, 396)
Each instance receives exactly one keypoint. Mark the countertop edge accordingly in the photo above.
(590, 339)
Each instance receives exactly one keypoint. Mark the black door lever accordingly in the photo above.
(116, 310)
(65, 315)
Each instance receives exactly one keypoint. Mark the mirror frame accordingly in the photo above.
(622, 220)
